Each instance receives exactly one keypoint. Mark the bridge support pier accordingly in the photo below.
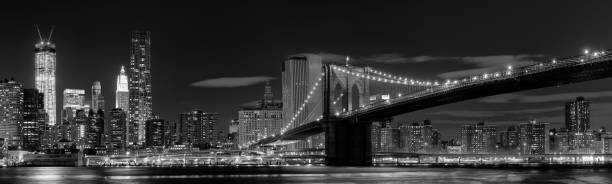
(348, 143)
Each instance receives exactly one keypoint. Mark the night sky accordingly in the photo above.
(199, 49)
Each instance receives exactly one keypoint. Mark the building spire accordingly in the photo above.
(268, 95)
(51, 33)
(39, 35)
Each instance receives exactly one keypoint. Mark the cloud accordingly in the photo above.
(389, 58)
(231, 82)
(490, 63)
(513, 98)
(332, 58)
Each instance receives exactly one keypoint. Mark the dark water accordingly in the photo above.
(300, 174)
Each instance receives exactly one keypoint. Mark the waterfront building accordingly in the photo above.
(155, 133)
(533, 138)
(117, 133)
(197, 128)
(44, 75)
(172, 131)
(509, 140)
(34, 126)
(11, 107)
(260, 121)
(478, 138)
(577, 115)
(140, 88)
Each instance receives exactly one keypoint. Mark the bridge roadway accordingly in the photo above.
(350, 130)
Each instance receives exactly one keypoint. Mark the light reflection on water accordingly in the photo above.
(296, 174)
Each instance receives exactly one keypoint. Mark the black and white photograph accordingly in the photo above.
(306, 92)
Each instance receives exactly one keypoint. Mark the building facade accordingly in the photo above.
(198, 128)
(300, 73)
(97, 99)
(478, 138)
(117, 132)
(155, 133)
(533, 138)
(140, 88)
(577, 115)
(34, 127)
(44, 67)
(11, 108)
(260, 121)
(74, 99)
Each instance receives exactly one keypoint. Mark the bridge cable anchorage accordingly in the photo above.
(300, 110)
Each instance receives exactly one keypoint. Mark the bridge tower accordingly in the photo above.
(347, 142)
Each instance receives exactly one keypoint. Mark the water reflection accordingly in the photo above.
(296, 174)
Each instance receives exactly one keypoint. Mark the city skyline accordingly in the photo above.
(394, 52)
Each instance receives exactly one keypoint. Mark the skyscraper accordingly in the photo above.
(97, 100)
(33, 127)
(44, 56)
(577, 115)
(300, 73)
(140, 100)
(122, 94)
(11, 105)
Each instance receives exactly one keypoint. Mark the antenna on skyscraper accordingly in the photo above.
(51, 34)
(39, 35)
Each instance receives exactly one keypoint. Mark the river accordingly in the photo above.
(300, 174)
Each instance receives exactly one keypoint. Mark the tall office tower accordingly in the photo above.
(11, 106)
(478, 138)
(34, 126)
(44, 56)
(117, 132)
(141, 100)
(97, 100)
(74, 99)
(299, 75)
(533, 138)
(155, 133)
(577, 115)
(197, 128)
(261, 121)
(95, 128)
(122, 94)
(509, 140)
